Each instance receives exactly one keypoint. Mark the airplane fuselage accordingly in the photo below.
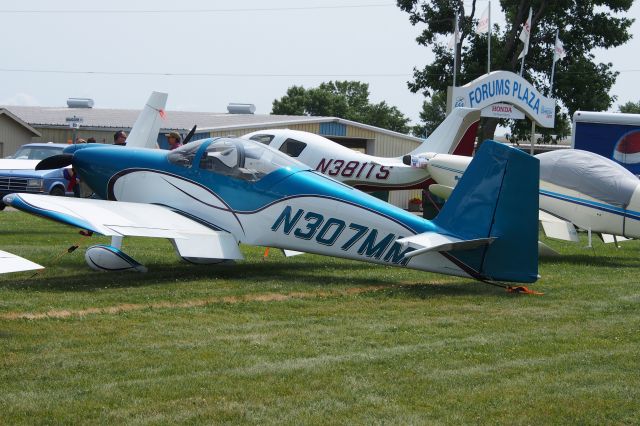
(291, 208)
(573, 206)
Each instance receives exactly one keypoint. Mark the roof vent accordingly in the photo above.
(80, 103)
(235, 108)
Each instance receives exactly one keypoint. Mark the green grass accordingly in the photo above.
(353, 342)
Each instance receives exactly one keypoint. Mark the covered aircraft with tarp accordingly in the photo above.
(591, 192)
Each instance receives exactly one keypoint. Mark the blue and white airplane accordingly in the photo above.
(212, 194)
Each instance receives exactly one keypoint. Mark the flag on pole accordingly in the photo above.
(525, 34)
(558, 51)
(483, 23)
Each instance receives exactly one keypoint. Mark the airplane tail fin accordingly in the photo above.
(496, 199)
(144, 133)
(455, 135)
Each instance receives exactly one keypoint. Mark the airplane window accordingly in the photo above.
(292, 147)
(184, 155)
(244, 159)
(265, 139)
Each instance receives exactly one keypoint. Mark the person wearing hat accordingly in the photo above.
(175, 140)
(120, 138)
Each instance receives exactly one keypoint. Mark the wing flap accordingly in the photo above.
(608, 238)
(557, 228)
(218, 245)
(136, 231)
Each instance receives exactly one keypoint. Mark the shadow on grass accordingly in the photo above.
(465, 288)
(164, 274)
(592, 259)
(299, 273)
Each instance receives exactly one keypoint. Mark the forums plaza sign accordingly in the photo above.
(504, 87)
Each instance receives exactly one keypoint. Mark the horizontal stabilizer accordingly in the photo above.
(433, 241)
(12, 263)
(557, 228)
(441, 191)
(290, 253)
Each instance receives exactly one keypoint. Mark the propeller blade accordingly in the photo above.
(55, 162)
(189, 135)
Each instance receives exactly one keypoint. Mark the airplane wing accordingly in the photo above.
(12, 263)
(608, 238)
(557, 228)
(117, 218)
(433, 241)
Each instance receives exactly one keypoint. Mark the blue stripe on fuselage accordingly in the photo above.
(592, 204)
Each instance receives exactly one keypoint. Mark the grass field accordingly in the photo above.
(312, 339)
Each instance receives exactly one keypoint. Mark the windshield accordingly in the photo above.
(36, 152)
(184, 155)
(244, 159)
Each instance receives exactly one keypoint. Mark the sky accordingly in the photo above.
(215, 56)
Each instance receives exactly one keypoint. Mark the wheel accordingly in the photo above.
(2, 206)
(57, 191)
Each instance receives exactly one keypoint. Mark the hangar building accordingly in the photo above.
(14, 132)
(52, 124)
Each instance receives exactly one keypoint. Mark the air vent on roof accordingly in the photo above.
(80, 103)
(235, 108)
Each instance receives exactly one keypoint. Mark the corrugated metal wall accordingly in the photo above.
(12, 135)
(65, 135)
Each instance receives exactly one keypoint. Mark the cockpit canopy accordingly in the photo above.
(239, 158)
(590, 174)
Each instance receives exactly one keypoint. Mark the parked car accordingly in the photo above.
(18, 174)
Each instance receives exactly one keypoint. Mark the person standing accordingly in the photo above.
(120, 138)
(175, 140)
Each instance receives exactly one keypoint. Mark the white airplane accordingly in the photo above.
(455, 135)
(577, 188)
(144, 134)
(212, 194)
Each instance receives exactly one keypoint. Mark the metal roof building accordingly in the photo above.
(14, 132)
(52, 125)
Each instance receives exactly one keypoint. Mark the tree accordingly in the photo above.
(344, 99)
(630, 107)
(580, 82)
(434, 111)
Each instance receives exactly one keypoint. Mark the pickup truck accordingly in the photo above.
(18, 173)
